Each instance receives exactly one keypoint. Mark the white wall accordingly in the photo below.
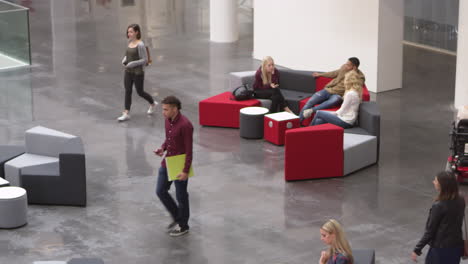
(321, 35)
(461, 80)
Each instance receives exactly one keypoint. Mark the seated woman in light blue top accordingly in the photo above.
(346, 116)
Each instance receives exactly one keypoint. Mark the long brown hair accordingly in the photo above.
(448, 186)
(340, 243)
(266, 76)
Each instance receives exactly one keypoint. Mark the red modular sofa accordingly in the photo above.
(296, 86)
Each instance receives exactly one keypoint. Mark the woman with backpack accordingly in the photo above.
(134, 61)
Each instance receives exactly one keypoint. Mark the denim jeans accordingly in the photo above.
(180, 213)
(324, 117)
(324, 99)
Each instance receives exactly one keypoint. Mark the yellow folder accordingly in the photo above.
(175, 165)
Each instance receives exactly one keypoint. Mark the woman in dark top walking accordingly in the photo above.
(134, 62)
(444, 225)
(339, 251)
(266, 86)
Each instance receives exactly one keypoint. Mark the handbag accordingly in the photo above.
(242, 93)
(465, 241)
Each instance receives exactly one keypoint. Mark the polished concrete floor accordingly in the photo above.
(242, 211)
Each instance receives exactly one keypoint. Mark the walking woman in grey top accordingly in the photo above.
(134, 62)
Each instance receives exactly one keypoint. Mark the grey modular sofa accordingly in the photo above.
(295, 85)
(52, 170)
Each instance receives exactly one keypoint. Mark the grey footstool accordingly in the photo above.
(13, 207)
(251, 122)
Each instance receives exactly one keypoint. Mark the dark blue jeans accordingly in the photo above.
(180, 213)
(444, 255)
(324, 117)
(324, 99)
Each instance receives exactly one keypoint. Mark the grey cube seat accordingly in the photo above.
(359, 151)
(13, 207)
(53, 168)
(251, 122)
(364, 256)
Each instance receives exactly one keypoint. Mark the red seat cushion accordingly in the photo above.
(221, 111)
(313, 152)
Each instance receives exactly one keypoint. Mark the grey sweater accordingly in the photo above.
(143, 57)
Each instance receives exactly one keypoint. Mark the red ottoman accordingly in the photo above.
(221, 111)
(313, 152)
(275, 126)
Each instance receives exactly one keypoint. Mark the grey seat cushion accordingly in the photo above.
(30, 164)
(357, 130)
(293, 98)
(265, 103)
(369, 118)
(301, 81)
(237, 79)
(48, 142)
(359, 151)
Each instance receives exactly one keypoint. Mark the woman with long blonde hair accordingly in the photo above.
(339, 251)
(266, 86)
(346, 116)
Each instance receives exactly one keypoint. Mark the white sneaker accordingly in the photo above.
(307, 113)
(123, 117)
(151, 109)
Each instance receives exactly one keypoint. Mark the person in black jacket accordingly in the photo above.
(444, 225)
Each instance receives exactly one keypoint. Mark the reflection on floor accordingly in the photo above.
(242, 211)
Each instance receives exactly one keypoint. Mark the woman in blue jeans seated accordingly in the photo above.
(346, 116)
(339, 251)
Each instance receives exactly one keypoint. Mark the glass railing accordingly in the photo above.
(432, 23)
(15, 50)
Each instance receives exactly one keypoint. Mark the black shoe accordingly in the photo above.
(178, 231)
(171, 226)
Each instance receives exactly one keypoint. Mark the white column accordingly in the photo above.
(321, 35)
(461, 80)
(223, 21)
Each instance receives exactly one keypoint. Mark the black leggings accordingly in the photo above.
(138, 79)
(276, 97)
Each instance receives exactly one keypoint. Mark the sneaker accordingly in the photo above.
(151, 109)
(307, 113)
(123, 117)
(178, 231)
(171, 226)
